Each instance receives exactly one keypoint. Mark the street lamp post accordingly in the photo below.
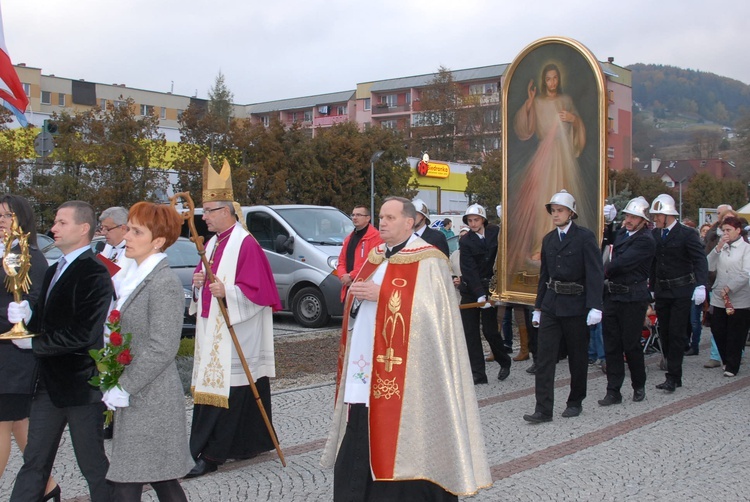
(373, 159)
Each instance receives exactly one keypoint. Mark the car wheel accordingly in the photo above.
(309, 308)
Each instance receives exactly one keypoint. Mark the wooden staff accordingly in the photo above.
(198, 240)
(475, 305)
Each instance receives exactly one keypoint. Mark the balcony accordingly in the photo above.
(382, 108)
(327, 121)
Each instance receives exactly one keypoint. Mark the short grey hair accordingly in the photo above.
(118, 214)
(408, 210)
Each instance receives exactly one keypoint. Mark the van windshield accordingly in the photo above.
(324, 226)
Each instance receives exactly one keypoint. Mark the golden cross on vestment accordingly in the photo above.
(389, 359)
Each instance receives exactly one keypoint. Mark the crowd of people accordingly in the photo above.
(410, 302)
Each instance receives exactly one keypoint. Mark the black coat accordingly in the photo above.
(70, 323)
(631, 265)
(477, 258)
(437, 239)
(577, 259)
(680, 254)
(18, 367)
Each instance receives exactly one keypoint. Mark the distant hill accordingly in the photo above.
(668, 91)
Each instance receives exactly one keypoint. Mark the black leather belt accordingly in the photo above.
(677, 282)
(565, 288)
(616, 289)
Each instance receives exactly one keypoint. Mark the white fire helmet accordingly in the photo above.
(475, 209)
(664, 204)
(422, 208)
(637, 207)
(563, 198)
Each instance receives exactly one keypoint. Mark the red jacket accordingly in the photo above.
(368, 241)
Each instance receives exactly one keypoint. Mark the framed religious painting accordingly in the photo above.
(554, 138)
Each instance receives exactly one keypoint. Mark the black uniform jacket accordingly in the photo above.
(70, 323)
(680, 254)
(577, 258)
(437, 239)
(631, 265)
(477, 258)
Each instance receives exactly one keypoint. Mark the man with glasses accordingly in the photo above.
(227, 422)
(113, 226)
(356, 247)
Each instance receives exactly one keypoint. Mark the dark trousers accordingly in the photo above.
(622, 324)
(352, 477)
(575, 333)
(238, 432)
(46, 426)
(470, 319)
(696, 326)
(166, 491)
(507, 324)
(674, 318)
(730, 333)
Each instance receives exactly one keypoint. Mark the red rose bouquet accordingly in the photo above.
(111, 359)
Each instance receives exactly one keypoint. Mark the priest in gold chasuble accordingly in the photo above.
(406, 422)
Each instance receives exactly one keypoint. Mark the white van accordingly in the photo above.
(302, 244)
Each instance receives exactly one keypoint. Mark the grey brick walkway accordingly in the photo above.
(690, 445)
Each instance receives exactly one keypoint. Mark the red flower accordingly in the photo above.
(114, 316)
(124, 357)
(115, 339)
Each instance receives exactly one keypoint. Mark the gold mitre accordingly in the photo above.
(217, 186)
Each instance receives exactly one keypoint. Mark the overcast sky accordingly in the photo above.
(291, 48)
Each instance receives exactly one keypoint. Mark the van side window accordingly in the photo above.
(264, 228)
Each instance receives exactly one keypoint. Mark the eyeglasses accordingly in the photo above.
(359, 215)
(7, 216)
(209, 211)
(108, 229)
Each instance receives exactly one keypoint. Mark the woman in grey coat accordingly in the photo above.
(150, 443)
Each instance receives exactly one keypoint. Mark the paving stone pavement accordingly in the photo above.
(693, 444)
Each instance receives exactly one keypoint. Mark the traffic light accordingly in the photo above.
(50, 127)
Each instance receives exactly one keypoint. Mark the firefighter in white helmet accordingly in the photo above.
(477, 257)
(626, 298)
(569, 299)
(678, 277)
(422, 229)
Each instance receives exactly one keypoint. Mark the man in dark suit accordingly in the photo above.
(678, 276)
(68, 318)
(568, 300)
(430, 235)
(626, 298)
(478, 255)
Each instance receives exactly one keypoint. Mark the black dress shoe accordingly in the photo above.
(537, 418)
(639, 395)
(504, 372)
(531, 369)
(572, 411)
(507, 350)
(109, 431)
(610, 399)
(669, 385)
(691, 352)
(202, 467)
(480, 380)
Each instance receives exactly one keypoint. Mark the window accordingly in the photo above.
(46, 98)
(367, 104)
(490, 88)
(476, 89)
(391, 100)
(308, 116)
(492, 116)
(408, 98)
(119, 104)
(61, 99)
(341, 110)
(179, 114)
(611, 152)
(147, 110)
(265, 120)
(27, 89)
(292, 116)
(389, 124)
(163, 114)
(265, 229)
(103, 104)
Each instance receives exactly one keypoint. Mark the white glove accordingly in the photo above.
(116, 398)
(483, 299)
(536, 318)
(653, 295)
(23, 343)
(594, 317)
(699, 295)
(18, 312)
